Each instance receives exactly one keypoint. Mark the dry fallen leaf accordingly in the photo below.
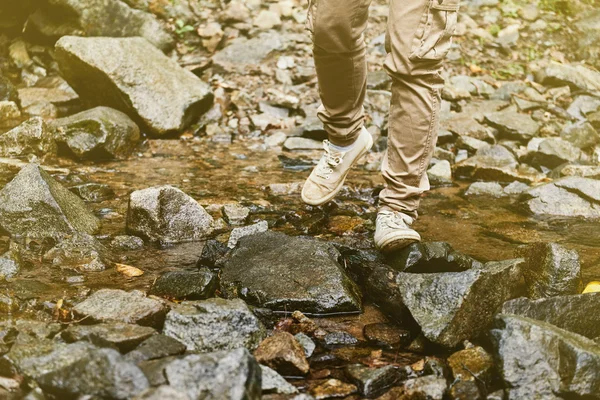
(592, 287)
(129, 270)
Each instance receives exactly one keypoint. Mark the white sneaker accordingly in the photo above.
(327, 178)
(393, 231)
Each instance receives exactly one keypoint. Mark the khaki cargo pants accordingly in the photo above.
(419, 34)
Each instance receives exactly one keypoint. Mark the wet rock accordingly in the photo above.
(114, 334)
(10, 263)
(233, 375)
(243, 54)
(306, 277)
(554, 200)
(465, 390)
(372, 382)
(165, 213)
(582, 135)
(238, 233)
(472, 364)
(110, 18)
(389, 336)
(339, 338)
(161, 393)
(576, 76)
(212, 251)
(156, 346)
(214, 324)
(576, 313)
(30, 138)
(551, 270)
(189, 285)
(272, 382)
(332, 388)
(540, 360)
(454, 306)
(493, 189)
(307, 344)
(93, 192)
(115, 305)
(80, 251)
(429, 257)
(553, 152)
(235, 214)
(513, 124)
(426, 387)
(125, 242)
(134, 77)
(33, 204)
(36, 329)
(99, 133)
(82, 369)
(283, 353)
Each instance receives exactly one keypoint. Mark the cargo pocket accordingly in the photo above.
(433, 38)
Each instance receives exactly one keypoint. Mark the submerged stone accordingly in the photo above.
(93, 192)
(131, 75)
(80, 251)
(33, 204)
(214, 324)
(306, 276)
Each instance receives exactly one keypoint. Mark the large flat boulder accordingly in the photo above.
(132, 76)
(454, 306)
(110, 18)
(564, 199)
(540, 361)
(286, 273)
(33, 204)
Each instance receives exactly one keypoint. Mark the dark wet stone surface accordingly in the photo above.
(372, 382)
(82, 252)
(305, 277)
(123, 337)
(156, 346)
(430, 257)
(188, 285)
(93, 192)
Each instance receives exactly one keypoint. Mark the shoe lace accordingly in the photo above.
(394, 220)
(331, 159)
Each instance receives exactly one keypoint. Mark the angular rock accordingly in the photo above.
(307, 344)
(122, 336)
(238, 233)
(110, 18)
(165, 213)
(33, 204)
(188, 285)
(472, 364)
(551, 270)
(30, 138)
(492, 163)
(233, 375)
(283, 353)
(305, 277)
(115, 305)
(575, 313)
(99, 133)
(80, 251)
(156, 346)
(10, 263)
(339, 338)
(584, 171)
(332, 388)
(372, 382)
(161, 393)
(134, 77)
(553, 152)
(513, 124)
(454, 306)
(212, 251)
(235, 214)
(429, 257)
(386, 335)
(243, 54)
(582, 135)
(493, 189)
(576, 76)
(272, 382)
(539, 360)
(427, 387)
(584, 187)
(440, 173)
(214, 324)
(93, 192)
(125, 242)
(82, 369)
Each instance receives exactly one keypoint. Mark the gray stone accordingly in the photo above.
(82, 369)
(582, 135)
(272, 382)
(214, 324)
(156, 346)
(305, 277)
(165, 213)
(339, 338)
(126, 242)
(282, 352)
(93, 192)
(539, 360)
(115, 305)
(553, 152)
(516, 187)
(232, 375)
(110, 18)
(582, 106)
(300, 143)
(584, 171)
(238, 233)
(188, 285)
(430, 257)
(113, 334)
(513, 124)
(80, 251)
(552, 200)
(455, 306)
(440, 173)
(464, 124)
(99, 133)
(30, 138)
(162, 392)
(243, 54)
(575, 313)
(10, 263)
(576, 76)
(428, 387)
(372, 382)
(584, 187)
(493, 189)
(235, 214)
(551, 270)
(134, 77)
(307, 344)
(33, 204)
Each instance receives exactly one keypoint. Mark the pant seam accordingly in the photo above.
(429, 137)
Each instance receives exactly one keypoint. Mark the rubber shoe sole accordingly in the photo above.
(395, 241)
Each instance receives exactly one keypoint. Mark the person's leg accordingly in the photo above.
(337, 28)
(418, 38)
